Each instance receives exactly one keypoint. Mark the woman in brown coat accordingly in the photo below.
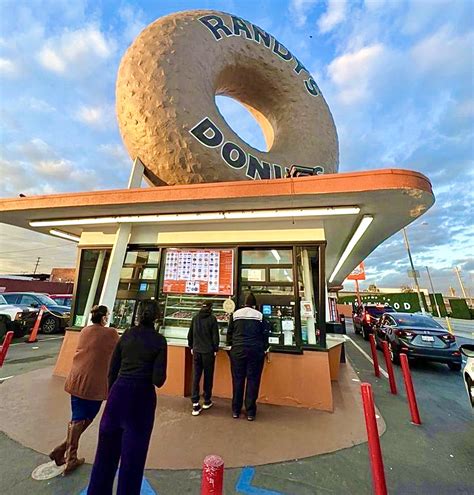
(87, 383)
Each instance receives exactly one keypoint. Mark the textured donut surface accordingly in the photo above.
(165, 95)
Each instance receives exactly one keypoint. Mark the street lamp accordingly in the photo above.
(407, 244)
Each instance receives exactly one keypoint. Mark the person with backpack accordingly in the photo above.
(203, 340)
(247, 336)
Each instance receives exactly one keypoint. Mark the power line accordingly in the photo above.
(33, 249)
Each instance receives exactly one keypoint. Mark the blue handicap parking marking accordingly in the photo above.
(244, 484)
(146, 489)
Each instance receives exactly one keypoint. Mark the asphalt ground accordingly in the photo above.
(434, 458)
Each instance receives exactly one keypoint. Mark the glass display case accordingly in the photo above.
(178, 311)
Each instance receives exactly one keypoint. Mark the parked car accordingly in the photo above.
(14, 318)
(62, 299)
(418, 336)
(468, 371)
(366, 316)
(56, 317)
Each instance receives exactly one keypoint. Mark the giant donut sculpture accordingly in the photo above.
(166, 88)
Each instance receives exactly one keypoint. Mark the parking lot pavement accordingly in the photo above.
(432, 459)
(23, 357)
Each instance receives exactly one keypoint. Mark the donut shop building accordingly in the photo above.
(286, 240)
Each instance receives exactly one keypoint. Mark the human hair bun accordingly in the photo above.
(148, 312)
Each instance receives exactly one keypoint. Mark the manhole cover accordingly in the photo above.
(47, 471)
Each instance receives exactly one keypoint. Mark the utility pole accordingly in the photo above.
(420, 300)
(37, 263)
(433, 291)
(463, 289)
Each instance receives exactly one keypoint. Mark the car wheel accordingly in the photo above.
(49, 325)
(454, 366)
(394, 355)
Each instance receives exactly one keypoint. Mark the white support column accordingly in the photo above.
(119, 249)
(309, 296)
(93, 288)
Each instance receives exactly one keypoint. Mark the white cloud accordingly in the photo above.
(98, 116)
(117, 152)
(353, 72)
(56, 169)
(299, 10)
(37, 105)
(334, 15)
(134, 22)
(51, 60)
(76, 53)
(8, 67)
(90, 115)
(444, 52)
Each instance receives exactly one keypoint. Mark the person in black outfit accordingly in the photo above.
(138, 365)
(248, 337)
(203, 339)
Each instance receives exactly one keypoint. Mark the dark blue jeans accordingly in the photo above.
(84, 409)
(124, 435)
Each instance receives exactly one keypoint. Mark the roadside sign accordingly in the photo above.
(412, 273)
(358, 273)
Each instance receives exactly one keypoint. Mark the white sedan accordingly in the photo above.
(468, 371)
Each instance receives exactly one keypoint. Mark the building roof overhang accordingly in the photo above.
(392, 197)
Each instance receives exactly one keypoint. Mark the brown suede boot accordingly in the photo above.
(57, 454)
(75, 430)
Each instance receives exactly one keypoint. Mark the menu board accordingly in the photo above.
(199, 271)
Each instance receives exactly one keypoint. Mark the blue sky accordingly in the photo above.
(397, 75)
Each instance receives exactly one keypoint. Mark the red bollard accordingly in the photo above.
(375, 452)
(415, 415)
(4, 347)
(388, 362)
(32, 338)
(375, 358)
(212, 475)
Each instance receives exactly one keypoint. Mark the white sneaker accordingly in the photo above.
(196, 409)
(207, 405)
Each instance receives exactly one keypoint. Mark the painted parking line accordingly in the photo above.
(244, 484)
(39, 341)
(2, 379)
(384, 373)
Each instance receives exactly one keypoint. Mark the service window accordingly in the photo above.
(269, 275)
(138, 281)
(92, 270)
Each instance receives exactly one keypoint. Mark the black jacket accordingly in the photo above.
(248, 328)
(140, 354)
(203, 335)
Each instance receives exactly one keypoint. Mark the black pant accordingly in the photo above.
(246, 364)
(203, 362)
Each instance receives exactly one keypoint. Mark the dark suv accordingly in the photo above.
(366, 316)
(56, 317)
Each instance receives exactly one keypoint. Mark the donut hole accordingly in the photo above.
(247, 122)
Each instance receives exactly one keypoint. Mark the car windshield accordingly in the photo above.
(378, 311)
(46, 300)
(413, 320)
(3, 300)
